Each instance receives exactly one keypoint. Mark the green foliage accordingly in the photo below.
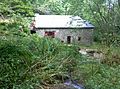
(106, 20)
(25, 59)
(11, 7)
(29, 61)
(104, 78)
(14, 60)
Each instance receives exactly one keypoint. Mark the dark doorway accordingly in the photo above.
(68, 39)
(32, 31)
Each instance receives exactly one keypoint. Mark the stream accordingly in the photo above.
(74, 84)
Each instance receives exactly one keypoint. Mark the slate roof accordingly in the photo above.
(61, 21)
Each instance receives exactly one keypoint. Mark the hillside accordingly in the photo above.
(30, 61)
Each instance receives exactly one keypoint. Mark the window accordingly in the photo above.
(50, 33)
(79, 38)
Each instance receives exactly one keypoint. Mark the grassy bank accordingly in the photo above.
(29, 62)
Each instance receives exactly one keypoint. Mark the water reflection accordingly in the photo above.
(74, 84)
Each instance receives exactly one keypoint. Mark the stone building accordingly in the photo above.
(68, 28)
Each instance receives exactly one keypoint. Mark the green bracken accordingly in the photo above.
(29, 61)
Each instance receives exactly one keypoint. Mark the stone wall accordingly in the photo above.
(85, 36)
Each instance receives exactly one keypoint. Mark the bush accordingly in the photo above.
(22, 56)
(29, 61)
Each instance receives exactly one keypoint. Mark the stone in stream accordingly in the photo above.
(61, 86)
(74, 84)
(69, 84)
(65, 86)
(94, 53)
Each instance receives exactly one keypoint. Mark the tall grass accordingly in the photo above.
(29, 62)
(31, 58)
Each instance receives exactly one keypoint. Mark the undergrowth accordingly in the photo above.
(29, 61)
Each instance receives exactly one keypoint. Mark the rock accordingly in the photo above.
(67, 85)
(83, 51)
(61, 86)
(94, 53)
(73, 84)
(98, 55)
